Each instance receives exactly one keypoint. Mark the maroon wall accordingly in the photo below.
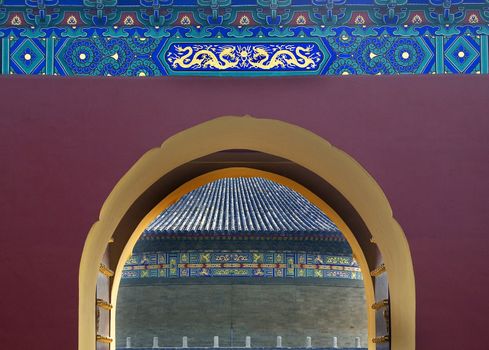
(64, 143)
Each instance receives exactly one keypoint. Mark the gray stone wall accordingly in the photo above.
(262, 311)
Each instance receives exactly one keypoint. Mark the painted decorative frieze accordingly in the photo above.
(260, 264)
(243, 38)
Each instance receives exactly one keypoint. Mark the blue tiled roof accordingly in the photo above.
(234, 207)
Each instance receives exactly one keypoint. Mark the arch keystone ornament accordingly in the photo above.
(279, 139)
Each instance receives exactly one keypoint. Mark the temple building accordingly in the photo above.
(237, 258)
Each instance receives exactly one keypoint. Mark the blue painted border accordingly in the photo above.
(363, 53)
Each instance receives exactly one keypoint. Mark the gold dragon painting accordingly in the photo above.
(244, 57)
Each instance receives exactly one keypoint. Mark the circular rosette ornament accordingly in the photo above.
(117, 57)
(371, 55)
(82, 56)
(405, 55)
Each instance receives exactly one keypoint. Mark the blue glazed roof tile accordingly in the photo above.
(239, 207)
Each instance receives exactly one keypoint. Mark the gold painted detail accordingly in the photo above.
(103, 339)
(205, 58)
(253, 57)
(281, 58)
(16, 21)
(378, 271)
(380, 304)
(72, 21)
(382, 339)
(104, 304)
(105, 270)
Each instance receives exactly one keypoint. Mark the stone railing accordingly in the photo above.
(308, 345)
(234, 348)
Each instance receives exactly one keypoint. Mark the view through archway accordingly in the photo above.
(242, 262)
(342, 189)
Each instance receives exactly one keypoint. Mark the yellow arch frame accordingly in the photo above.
(279, 139)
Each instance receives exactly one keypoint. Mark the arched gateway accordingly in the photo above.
(360, 205)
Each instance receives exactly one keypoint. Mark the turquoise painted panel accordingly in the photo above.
(243, 38)
(244, 52)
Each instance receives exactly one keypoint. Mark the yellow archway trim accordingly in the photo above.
(248, 172)
(279, 139)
